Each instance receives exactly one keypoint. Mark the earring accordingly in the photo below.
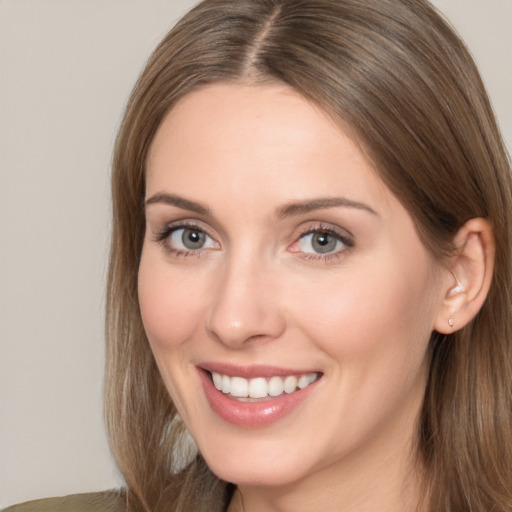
(450, 322)
(184, 448)
(456, 289)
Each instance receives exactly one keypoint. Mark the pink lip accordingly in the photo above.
(252, 414)
(252, 371)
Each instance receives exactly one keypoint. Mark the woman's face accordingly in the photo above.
(278, 267)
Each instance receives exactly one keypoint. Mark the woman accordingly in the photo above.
(250, 122)
(310, 269)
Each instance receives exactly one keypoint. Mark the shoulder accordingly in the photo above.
(107, 501)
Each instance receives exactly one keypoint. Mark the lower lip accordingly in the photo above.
(252, 414)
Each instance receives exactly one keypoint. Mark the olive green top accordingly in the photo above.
(108, 501)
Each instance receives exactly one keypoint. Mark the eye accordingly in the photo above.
(190, 239)
(320, 242)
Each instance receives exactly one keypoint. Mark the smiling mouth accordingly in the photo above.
(261, 397)
(261, 388)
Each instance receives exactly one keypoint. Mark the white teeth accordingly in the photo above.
(275, 386)
(226, 384)
(290, 384)
(303, 382)
(239, 387)
(217, 380)
(260, 387)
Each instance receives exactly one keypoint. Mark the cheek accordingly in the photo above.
(375, 328)
(383, 313)
(169, 303)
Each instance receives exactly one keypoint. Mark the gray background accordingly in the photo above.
(66, 69)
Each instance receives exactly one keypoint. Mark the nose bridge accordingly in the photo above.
(244, 306)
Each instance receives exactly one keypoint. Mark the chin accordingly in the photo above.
(255, 475)
(259, 467)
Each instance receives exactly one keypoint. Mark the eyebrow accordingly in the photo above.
(287, 210)
(180, 202)
(304, 207)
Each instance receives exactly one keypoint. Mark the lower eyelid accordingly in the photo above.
(332, 257)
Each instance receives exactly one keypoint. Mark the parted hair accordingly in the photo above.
(401, 79)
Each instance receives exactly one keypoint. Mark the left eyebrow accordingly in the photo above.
(179, 202)
(304, 207)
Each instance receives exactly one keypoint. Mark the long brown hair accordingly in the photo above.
(401, 79)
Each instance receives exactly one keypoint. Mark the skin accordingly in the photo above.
(258, 293)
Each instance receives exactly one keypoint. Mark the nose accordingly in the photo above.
(245, 305)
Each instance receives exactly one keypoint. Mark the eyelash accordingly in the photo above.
(162, 238)
(345, 239)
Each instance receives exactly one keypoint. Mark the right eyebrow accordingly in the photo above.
(305, 207)
(179, 202)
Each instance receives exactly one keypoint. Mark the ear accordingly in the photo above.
(468, 278)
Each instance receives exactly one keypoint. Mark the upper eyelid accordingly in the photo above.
(325, 230)
(158, 224)
(327, 227)
(185, 223)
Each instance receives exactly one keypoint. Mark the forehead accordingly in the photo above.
(257, 140)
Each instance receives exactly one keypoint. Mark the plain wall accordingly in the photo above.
(66, 69)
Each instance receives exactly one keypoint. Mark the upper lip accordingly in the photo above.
(252, 371)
